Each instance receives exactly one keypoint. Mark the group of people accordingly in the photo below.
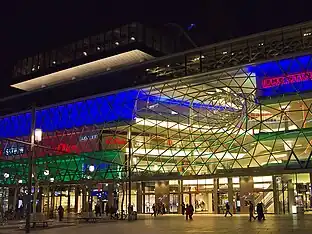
(260, 211)
(188, 210)
(158, 209)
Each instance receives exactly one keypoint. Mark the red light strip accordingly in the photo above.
(285, 80)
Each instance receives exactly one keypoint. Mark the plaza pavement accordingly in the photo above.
(176, 224)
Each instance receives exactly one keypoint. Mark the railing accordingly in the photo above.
(255, 48)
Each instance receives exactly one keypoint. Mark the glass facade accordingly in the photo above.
(232, 135)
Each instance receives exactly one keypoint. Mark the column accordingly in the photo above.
(291, 195)
(216, 195)
(230, 193)
(180, 191)
(77, 190)
(110, 194)
(275, 195)
(68, 200)
(84, 198)
(246, 193)
(139, 197)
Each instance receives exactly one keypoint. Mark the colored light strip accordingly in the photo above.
(286, 80)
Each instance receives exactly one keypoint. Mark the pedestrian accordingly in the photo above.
(163, 209)
(191, 212)
(187, 212)
(227, 208)
(154, 210)
(107, 209)
(183, 208)
(260, 211)
(97, 209)
(60, 212)
(251, 211)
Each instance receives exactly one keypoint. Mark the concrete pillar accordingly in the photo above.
(110, 194)
(246, 193)
(180, 191)
(291, 195)
(77, 190)
(139, 198)
(275, 195)
(216, 195)
(162, 193)
(68, 200)
(84, 199)
(230, 193)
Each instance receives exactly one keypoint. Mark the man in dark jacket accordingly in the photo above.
(227, 208)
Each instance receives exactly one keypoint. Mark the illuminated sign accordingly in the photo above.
(88, 137)
(286, 80)
(14, 151)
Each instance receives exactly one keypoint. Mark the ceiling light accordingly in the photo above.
(85, 53)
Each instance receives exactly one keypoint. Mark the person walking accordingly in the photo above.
(60, 212)
(227, 208)
(183, 208)
(260, 211)
(191, 212)
(251, 211)
(187, 212)
(154, 210)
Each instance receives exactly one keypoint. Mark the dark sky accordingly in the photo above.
(31, 26)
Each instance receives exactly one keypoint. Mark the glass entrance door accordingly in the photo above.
(173, 203)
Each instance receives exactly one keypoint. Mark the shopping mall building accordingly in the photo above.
(229, 122)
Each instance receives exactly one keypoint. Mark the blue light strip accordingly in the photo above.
(112, 108)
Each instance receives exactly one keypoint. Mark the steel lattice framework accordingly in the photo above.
(255, 116)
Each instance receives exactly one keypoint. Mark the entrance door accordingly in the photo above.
(173, 203)
(149, 202)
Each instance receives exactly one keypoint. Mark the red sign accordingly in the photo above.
(285, 80)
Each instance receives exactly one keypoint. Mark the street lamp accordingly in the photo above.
(36, 136)
(46, 172)
(6, 175)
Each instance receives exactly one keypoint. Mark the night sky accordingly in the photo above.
(32, 26)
